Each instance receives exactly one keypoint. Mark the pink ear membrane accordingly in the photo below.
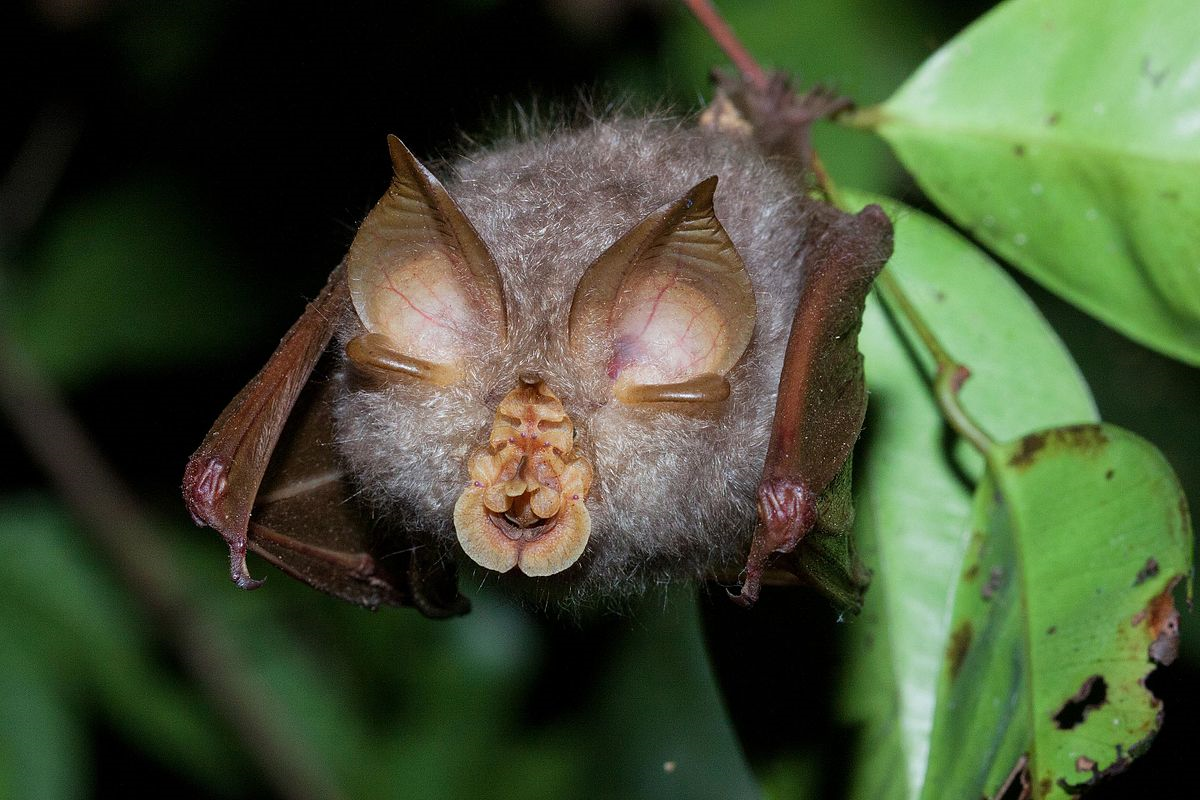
(671, 302)
(419, 275)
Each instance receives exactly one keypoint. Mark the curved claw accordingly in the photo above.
(238, 571)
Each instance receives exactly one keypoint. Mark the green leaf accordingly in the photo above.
(1080, 534)
(913, 505)
(1065, 135)
(43, 755)
(74, 620)
(128, 277)
(1022, 378)
(910, 524)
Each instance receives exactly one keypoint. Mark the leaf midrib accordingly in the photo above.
(1100, 151)
(998, 470)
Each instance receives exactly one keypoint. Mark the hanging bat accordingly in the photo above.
(592, 360)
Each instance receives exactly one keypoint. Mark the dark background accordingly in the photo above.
(182, 177)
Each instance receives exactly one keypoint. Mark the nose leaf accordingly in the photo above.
(524, 505)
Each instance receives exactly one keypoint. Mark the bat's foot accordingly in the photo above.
(779, 118)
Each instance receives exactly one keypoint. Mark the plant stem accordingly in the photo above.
(824, 181)
(863, 119)
(708, 16)
(949, 375)
(116, 522)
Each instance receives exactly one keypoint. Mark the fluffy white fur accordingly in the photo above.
(674, 494)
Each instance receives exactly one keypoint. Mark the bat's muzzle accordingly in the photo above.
(524, 505)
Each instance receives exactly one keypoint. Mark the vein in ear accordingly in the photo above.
(668, 305)
(668, 331)
(414, 302)
(419, 274)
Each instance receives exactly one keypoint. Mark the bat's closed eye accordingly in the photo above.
(374, 354)
(707, 388)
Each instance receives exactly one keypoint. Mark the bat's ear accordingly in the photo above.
(669, 308)
(421, 279)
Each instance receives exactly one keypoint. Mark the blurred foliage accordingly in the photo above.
(390, 704)
(221, 146)
(115, 279)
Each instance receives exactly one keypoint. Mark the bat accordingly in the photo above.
(591, 360)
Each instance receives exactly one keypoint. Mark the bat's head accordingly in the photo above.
(558, 422)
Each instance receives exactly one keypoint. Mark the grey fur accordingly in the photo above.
(674, 494)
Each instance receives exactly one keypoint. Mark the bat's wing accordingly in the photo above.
(804, 505)
(267, 478)
(819, 412)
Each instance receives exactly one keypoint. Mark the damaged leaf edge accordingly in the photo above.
(1160, 613)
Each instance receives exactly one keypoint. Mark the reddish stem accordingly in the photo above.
(708, 16)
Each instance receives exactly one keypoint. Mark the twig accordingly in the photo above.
(35, 171)
(57, 441)
(708, 16)
(116, 522)
(949, 375)
(824, 181)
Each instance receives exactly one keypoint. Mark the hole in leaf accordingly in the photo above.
(1017, 785)
(1091, 695)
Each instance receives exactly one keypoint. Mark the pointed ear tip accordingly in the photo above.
(396, 147)
(403, 160)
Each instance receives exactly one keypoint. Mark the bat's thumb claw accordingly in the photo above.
(204, 483)
(745, 597)
(238, 570)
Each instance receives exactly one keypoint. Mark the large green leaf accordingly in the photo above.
(910, 523)
(42, 741)
(913, 504)
(1080, 534)
(73, 619)
(1022, 378)
(1065, 135)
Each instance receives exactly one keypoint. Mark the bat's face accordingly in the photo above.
(563, 427)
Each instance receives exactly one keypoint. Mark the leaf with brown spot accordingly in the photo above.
(960, 642)
(1061, 533)
(913, 509)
